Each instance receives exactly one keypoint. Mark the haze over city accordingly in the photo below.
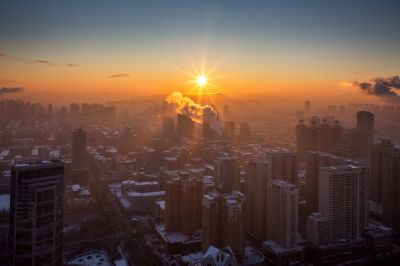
(193, 133)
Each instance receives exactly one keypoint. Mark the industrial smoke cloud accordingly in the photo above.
(197, 112)
(186, 106)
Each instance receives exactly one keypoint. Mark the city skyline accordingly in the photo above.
(230, 133)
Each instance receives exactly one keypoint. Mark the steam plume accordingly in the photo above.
(186, 106)
(5, 90)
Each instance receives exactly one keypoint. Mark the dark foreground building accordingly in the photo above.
(36, 214)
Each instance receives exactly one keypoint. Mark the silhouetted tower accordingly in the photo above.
(244, 132)
(230, 130)
(184, 126)
(168, 127)
(307, 107)
(256, 198)
(365, 134)
(183, 204)
(227, 172)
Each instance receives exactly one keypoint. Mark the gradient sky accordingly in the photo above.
(271, 47)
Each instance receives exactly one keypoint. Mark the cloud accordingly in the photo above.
(51, 63)
(41, 62)
(120, 75)
(7, 90)
(2, 54)
(389, 86)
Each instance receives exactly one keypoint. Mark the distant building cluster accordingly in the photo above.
(134, 183)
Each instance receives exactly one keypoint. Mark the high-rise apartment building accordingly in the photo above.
(343, 199)
(365, 134)
(183, 204)
(385, 181)
(317, 136)
(256, 198)
(283, 164)
(184, 126)
(223, 221)
(319, 231)
(244, 132)
(168, 127)
(315, 160)
(36, 214)
(227, 170)
(230, 130)
(282, 213)
(79, 149)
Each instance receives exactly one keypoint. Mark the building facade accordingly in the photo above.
(36, 214)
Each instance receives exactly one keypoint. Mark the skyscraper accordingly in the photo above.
(184, 126)
(36, 214)
(168, 127)
(365, 134)
(183, 204)
(282, 213)
(256, 198)
(79, 149)
(307, 107)
(227, 170)
(343, 199)
(223, 221)
(230, 130)
(385, 181)
(244, 132)
(283, 164)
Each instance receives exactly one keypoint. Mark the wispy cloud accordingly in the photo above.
(2, 54)
(8, 90)
(51, 63)
(42, 62)
(120, 75)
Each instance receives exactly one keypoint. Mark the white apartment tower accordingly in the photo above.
(343, 199)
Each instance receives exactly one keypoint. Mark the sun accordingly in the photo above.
(201, 80)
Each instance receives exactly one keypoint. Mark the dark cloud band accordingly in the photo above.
(6, 90)
(381, 86)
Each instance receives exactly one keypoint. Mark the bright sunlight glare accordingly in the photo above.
(201, 80)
